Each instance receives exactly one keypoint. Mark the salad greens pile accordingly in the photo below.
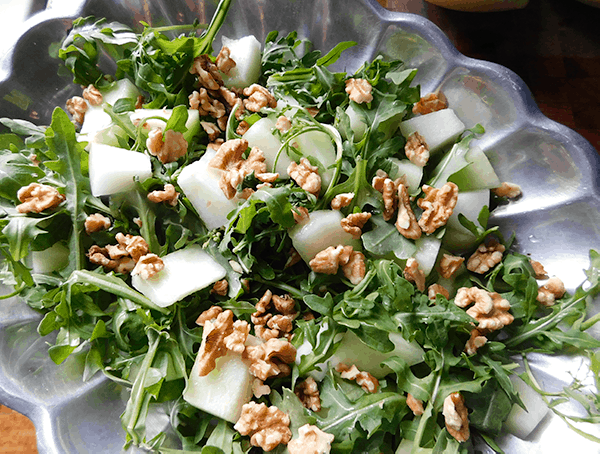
(151, 349)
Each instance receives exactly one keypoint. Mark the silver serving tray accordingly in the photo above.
(556, 221)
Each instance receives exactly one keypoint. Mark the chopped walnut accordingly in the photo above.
(430, 103)
(242, 128)
(77, 107)
(437, 205)
(167, 147)
(476, 341)
(437, 289)
(283, 124)
(34, 159)
(208, 315)
(224, 61)
(508, 190)
(264, 302)
(100, 256)
(354, 222)
(355, 269)
(148, 265)
(449, 264)
(282, 323)
(116, 252)
(412, 273)
(92, 95)
(136, 246)
(237, 339)
(229, 154)
(293, 258)
(201, 101)
(139, 102)
(300, 214)
(284, 304)
(213, 341)
(220, 287)
(308, 393)
(538, 269)
(268, 427)
(364, 379)
(313, 111)
(329, 260)
(485, 257)
(259, 388)
(551, 291)
(359, 90)
(168, 194)
(266, 333)
(389, 191)
(306, 176)
(232, 100)
(489, 309)
(311, 440)
(211, 129)
(342, 200)
(207, 71)
(270, 358)
(258, 97)
(215, 145)
(416, 405)
(96, 223)
(36, 198)
(416, 149)
(406, 222)
(456, 416)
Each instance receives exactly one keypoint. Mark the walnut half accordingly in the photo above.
(268, 427)
(456, 416)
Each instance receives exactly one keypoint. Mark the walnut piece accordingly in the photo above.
(538, 269)
(258, 97)
(342, 200)
(283, 124)
(354, 222)
(430, 103)
(437, 205)
(92, 95)
(220, 288)
(208, 315)
(308, 393)
(413, 273)
(77, 107)
(508, 190)
(201, 101)
(148, 265)
(355, 269)
(456, 416)
(551, 291)
(476, 341)
(389, 191)
(224, 61)
(489, 309)
(284, 304)
(207, 71)
(300, 214)
(168, 194)
(485, 257)
(211, 129)
(416, 405)
(329, 260)
(437, 289)
(271, 358)
(416, 149)
(213, 341)
(135, 246)
(242, 128)
(406, 222)
(167, 147)
(306, 176)
(311, 440)
(364, 379)
(36, 198)
(359, 90)
(449, 264)
(100, 256)
(268, 427)
(237, 339)
(259, 388)
(96, 223)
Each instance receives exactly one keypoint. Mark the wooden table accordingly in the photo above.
(554, 45)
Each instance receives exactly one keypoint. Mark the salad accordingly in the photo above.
(284, 257)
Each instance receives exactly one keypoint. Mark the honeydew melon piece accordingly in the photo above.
(113, 169)
(260, 135)
(225, 389)
(123, 88)
(439, 129)
(246, 53)
(469, 204)
(54, 258)
(427, 251)
(520, 422)
(186, 271)
(321, 230)
(479, 174)
(318, 145)
(357, 123)
(192, 124)
(412, 173)
(406, 447)
(200, 184)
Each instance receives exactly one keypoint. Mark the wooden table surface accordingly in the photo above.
(553, 45)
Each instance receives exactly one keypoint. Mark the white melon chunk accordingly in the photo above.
(321, 230)
(439, 129)
(520, 422)
(186, 271)
(469, 204)
(224, 391)
(318, 145)
(427, 251)
(479, 174)
(192, 124)
(357, 123)
(123, 88)
(246, 53)
(200, 184)
(113, 169)
(411, 173)
(54, 258)
(261, 135)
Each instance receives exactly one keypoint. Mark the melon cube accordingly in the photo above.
(520, 422)
(246, 53)
(439, 129)
(260, 135)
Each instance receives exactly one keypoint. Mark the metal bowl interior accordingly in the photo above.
(556, 220)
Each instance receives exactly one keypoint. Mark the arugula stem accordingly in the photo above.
(590, 322)
(295, 292)
(168, 28)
